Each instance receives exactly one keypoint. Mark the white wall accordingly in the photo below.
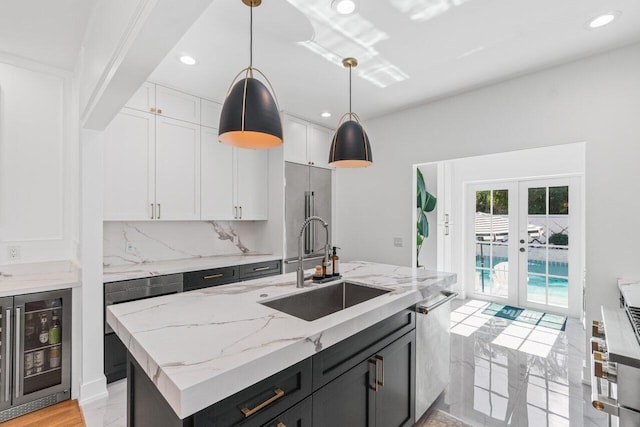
(38, 163)
(596, 100)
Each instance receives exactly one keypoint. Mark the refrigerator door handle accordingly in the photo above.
(307, 214)
(18, 371)
(312, 228)
(7, 356)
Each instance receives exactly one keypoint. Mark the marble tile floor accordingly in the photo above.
(508, 373)
(503, 373)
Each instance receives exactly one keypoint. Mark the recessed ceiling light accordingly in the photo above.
(602, 20)
(187, 60)
(345, 7)
(326, 114)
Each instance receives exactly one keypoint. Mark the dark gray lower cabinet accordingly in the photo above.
(377, 392)
(366, 380)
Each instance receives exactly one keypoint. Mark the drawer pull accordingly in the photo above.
(278, 394)
(213, 276)
(261, 268)
(374, 387)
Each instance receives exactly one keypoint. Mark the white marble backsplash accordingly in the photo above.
(169, 240)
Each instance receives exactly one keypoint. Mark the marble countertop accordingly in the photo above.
(622, 344)
(141, 270)
(201, 346)
(17, 279)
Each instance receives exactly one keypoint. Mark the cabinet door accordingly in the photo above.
(210, 113)
(129, 166)
(394, 402)
(216, 167)
(318, 146)
(177, 105)
(252, 183)
(144, 99)
(177, 169)
(295, 140)
(347, 401)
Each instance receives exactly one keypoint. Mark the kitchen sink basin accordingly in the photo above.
(320, 302)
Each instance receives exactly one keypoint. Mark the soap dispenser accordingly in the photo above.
(335, 261)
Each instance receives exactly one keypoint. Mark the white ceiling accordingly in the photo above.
(49, 32)
(457, 45)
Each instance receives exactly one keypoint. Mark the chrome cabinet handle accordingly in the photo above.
(261, 268)
(240, 212)
(213, 276)
(159, 210)
(278, 394)
(7, 356)
(153, 211)
(235, 212)
(18, 391)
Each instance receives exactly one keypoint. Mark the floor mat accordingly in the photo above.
(532, 317)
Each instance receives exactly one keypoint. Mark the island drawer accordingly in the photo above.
(214, 277)
(261, 402)
(339, 358)
(260, 269)
(298, 416)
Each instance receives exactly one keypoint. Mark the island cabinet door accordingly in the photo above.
(347, 400)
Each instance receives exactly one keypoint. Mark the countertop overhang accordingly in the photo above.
(202, 346)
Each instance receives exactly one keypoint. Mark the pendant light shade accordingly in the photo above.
(250, 116)
(350, 147)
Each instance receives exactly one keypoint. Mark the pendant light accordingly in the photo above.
(350, 147)
(250, 116)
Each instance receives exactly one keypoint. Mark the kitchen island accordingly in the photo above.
(201, 347)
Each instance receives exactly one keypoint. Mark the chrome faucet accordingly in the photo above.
(327, 246)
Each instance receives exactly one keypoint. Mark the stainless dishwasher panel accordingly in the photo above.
(433, 350)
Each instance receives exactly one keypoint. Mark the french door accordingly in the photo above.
(524, 243)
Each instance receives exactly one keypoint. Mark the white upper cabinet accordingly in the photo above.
(152, 168)
(177, 169)
(234, 181)
(166, 102)
(144, 99)
(306, 143)
(129, 166)
(217, 189)
(252, 183)
(210, 113)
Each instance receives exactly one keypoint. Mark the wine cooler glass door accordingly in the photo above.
(6, 323)
(42, 350)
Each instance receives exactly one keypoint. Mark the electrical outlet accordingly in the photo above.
(397, 242)
(14, 252)
(130, 248)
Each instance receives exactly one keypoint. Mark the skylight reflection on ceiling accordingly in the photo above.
(337, 37)
(424, 10)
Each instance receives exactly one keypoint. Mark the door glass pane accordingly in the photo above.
(547, 266)
(492, 240)
(42, 351)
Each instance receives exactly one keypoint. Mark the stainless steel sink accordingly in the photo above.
(320, 302)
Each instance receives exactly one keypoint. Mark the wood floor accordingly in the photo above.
(64, 414)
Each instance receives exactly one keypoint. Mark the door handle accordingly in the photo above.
(235, 212)
(248, 412)
(153, 210)
(7, 355)
(240, 212)
(18, 356)
(158, 210)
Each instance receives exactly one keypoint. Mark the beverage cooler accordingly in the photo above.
(35, 347)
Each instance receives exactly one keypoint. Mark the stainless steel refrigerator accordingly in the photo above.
(307, 193)
(35, 345)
